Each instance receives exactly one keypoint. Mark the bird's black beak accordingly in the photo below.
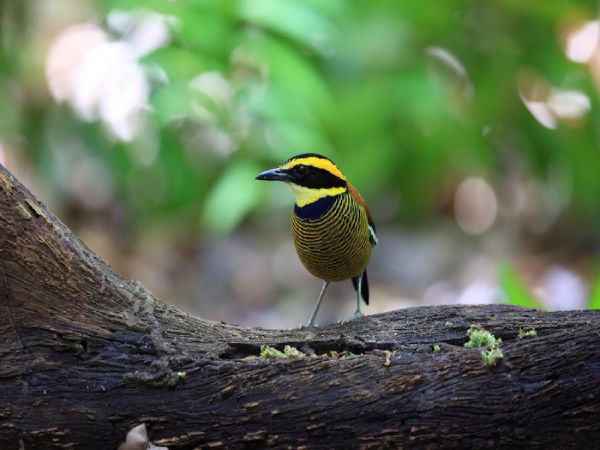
(274, 175)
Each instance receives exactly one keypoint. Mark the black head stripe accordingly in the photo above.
(307, 155)
(317, 178)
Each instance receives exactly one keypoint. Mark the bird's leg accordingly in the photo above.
(311, 321)
(358, 313)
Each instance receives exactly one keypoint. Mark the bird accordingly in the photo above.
(332, 227)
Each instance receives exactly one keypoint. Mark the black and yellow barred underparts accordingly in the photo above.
(335, 246)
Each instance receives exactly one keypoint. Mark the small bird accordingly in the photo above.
(332, 227)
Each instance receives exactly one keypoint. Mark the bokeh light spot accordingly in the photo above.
(475, 206)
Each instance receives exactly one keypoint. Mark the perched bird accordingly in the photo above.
(332, 227)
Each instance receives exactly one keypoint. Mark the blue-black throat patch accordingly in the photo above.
(315, 210)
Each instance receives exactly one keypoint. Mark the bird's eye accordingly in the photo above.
(301, 170)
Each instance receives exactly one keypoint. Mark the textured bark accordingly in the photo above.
(86, 355)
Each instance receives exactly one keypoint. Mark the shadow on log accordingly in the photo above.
(86, 355)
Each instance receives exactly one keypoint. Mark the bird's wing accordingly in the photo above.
(361, 201)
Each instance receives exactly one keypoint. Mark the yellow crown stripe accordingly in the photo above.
(316, 162)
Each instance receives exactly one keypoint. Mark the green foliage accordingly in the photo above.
(436, 348)
(595, 296)
(516, 291)
(223, 211)
(362, 82)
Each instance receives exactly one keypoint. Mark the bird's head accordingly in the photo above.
(310, 176)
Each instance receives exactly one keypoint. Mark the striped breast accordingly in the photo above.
(336, 245)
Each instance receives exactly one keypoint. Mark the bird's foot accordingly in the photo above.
(308, 326)
(358, 313)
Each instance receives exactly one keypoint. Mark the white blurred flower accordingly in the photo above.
(582, 43)
(102, 79)
(541, 112)
(144, 30)
(568, 105)
(551, 105)
(65, 55)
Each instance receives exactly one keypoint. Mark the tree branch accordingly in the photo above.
(86, 355)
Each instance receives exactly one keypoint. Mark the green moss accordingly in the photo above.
(292, 352)
(182, 375)
(492, 356)
(288, 352)
(523, 333)
(478, 337)
(437, 348)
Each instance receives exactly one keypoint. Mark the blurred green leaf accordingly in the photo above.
(297, 90)
(516, 291)
(232, 197)
(171, 103)
(299, 21)
(208, 31)
(181, 65)
(594, 302)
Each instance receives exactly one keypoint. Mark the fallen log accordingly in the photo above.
(87, 355)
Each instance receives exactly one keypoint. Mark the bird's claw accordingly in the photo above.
(357, 314)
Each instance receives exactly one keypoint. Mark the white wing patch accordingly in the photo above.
(373, 236)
